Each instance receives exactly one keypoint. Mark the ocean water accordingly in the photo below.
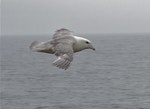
(115, 76)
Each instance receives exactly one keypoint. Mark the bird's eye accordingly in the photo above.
(87, 42)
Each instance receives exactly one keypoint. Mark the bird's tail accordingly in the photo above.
(41, 47)
(34, 45)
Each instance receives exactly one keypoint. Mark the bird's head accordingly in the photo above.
(82, 43)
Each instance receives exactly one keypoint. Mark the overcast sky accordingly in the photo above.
(82, 16)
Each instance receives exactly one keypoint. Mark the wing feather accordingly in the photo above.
(62, 63)
(62, 42)
(61, 33)
(64, 51)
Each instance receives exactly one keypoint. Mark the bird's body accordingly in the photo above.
(63, 44)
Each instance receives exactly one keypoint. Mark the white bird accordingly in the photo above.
(63, 45)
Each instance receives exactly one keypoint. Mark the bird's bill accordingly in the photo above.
(93, 49)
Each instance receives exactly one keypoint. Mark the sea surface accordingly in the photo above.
(115, 76)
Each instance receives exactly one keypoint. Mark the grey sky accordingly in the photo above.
(81, 16)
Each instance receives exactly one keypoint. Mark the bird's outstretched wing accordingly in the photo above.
(64, 51)
(61, 33)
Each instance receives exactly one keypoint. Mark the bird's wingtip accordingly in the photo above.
(61, 63)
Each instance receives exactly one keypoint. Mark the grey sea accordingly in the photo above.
(115, 76)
